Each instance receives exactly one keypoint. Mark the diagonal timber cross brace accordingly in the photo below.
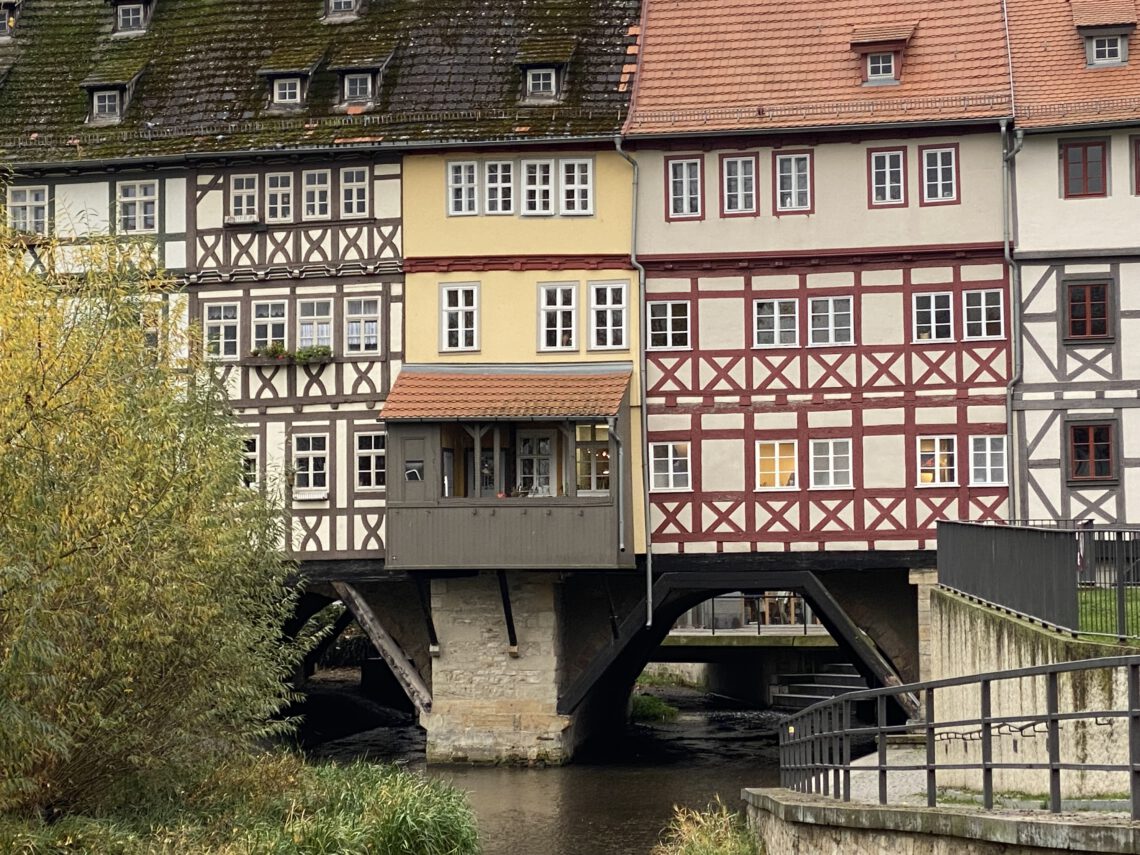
(391, 652)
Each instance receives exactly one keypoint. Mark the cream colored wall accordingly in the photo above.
(430, 232)
(841, 218)
(1047, 221)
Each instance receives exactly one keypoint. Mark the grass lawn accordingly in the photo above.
(1098, 610)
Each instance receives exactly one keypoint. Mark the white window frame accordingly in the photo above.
(947, 188)
(538, 186)
(357, 77)
(776, 444)
(279, 198)
(122, 13)
(832, 330)
(780, 318)
(499, 187)
(937, 470)
(685, 176)
(990, 449)
(354, 182)
(671, 458)
(250, 463)
(106, 105)
(465, 315)
(261, 326)
(881, 166)
(886, 71)
(311, 447)
(668, 312)
(551, 486)
(287, 90)
(371, 455)
(831, 450)
(1094, 49)
(576, 190)
(215, 329)
(243, 199)
(559, 317)
(315, 328)
(462, 188)
(535, 78)
(342, 7)
(32, 202)
(602, 334)
(317, 187)
(733, 200)
(932, 324)
(982, 308)
(800, 183)
(142, 203)
(356, 320)
(589, 454)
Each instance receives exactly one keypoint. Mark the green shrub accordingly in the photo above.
(715, 831)
(651, 708)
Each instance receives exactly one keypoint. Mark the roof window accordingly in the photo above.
(881, 49)
(542, 84)
(544, 61)
(287, 91)
(131, 18)
(360, 66)
(288, 71)
(337, 11)
(110, 86)
(1105, 28)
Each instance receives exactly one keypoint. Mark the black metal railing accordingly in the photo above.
(816, 743)
(1077, 577)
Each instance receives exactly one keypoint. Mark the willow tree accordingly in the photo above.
(142, 585)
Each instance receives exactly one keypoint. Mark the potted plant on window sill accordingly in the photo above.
(273, 353)
(316, 355)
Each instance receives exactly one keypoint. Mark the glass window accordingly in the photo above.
(607, 308)
(538, 187)
(987, 460)
(138, 207)
(499, 176)
(460, 317)
(793, 182)
(592, 455)
(357, 87)
(107, 104)
(243, 195)
(287, 90)
(1085, 167)
(129, 16)
(221, 329)
(670, 462)
(739, 185)
(880, 66)
(937, 460)
(536, 463)
(684, 188)
(668, 325)
(370, 460)
(577, 186)
(28, 209)
(558, 313)
(984, 314)
(314, 328)
(269, 324)
(830, 320)
(1106, 50)
(249, 463)
(933, 317)
(462, 189)
(310, 462)
(354, 192)
(540, 83)
(279, 197)
(939, 175)
(1087, 310)
(1091, 452)
(362, 325)
(316, 194)
(776, 465)
(831, 463)
(776, 323)
(888, 178)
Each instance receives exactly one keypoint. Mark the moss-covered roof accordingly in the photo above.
(452, 74)
(555, 49)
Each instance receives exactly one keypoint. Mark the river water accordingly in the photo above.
(613, 800)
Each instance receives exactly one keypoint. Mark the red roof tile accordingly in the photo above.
(726, 65)
(420, 395)
(1054, 85)
(882, 33)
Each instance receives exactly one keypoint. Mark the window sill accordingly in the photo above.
(1093, 483)
(821, 344)
(310, 495)
(667, 490)
(1090, 341)
(972, 338)
(777, 489)
(933, 341)
(835, 489)
(983, 484)
(791, 346)
(935, 486)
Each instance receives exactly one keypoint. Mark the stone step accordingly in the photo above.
(822, 690)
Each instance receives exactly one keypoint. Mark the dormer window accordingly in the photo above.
(880, 66)
(360, 65)
(880, 49)
(357, 87)
(129, 17)
(1105, 28)
(287, 91)
(342, 10)
(1106, 48)
(544, 62)
(541, 83)
(288, 72)
(107, 105)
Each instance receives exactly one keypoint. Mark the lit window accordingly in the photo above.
(538, 187)
(129, 17)
(933, 317)
(7, 22)
(108, 105)
(357, 87)
(249, 463)
(775, 323)
(287, 90)
(984, 314)
(314, 328)
(499, 182)
(939, 175)
(279, 197)
(793, 182)
(462, 189)
(608, 310)
(937, 461)
(738, 180)
(776, 465)
(668, 325)
(830, 463)
(310, 462)
(459, 308)
(684, 189)
(541, 83)
(371, 461)
(362, 325)
(243, 196)
(354, 192)
(592, 458)
(987, 461)
(28, 209)
(577, 186)
(269, 324)
(888, 177)
(880, 66)
(670, 463)
(830, 320)
(1092, 453)
(1087, 310)
(138, 207)
(221, 329)
(558, 312)
(317, 194)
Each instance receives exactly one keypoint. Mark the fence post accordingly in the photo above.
(881, 737)
(1121, 592)
(1054, 742)
(931, 775)
(846, 751)
(836, 726)
(987, 749)
(1134, 738)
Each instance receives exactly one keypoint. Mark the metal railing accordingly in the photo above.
(772, 613)
(1077, 577)
(816, 743)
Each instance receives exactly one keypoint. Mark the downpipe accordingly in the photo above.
(1009, 152)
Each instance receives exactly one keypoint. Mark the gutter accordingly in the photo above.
(1008, 154)
(642, 381)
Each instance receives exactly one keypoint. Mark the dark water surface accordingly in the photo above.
(617, 798)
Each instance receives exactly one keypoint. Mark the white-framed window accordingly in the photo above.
(129, 17)
(985, 314)
(1106, 50)
(775, 323)
(108, 105)
(269, 321)
(459, 317)
(830, 463)
(577, 187)
(738, 184)
(670, 465)
(342, 7)
(684, 188)
(937, 461)
(541, 83)
(462, 188)
(830, 320)
(592, 459)
(880, 66)
(138, 207)
(371, 461)
(311, 462)
(221, 330)
(243, 196)
(499, 183)
(558, 314)
(535, 458)
(988, 461)
(354, 192)
(287, 90)
(250, 463)
(793, 182)
(933, 317)
(28, 209)
(314, 323)
(538, 187)
(776, 465)
(669, 325)
(608, 314)
(316, 183)
(939, 175)
(279, 197)
(357, 86)
(362, 325)
(888, 178)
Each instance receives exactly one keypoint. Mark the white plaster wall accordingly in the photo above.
(722, 465)
(884, 462)
(82, 209)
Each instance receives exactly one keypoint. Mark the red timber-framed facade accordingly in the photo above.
(827, 372)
